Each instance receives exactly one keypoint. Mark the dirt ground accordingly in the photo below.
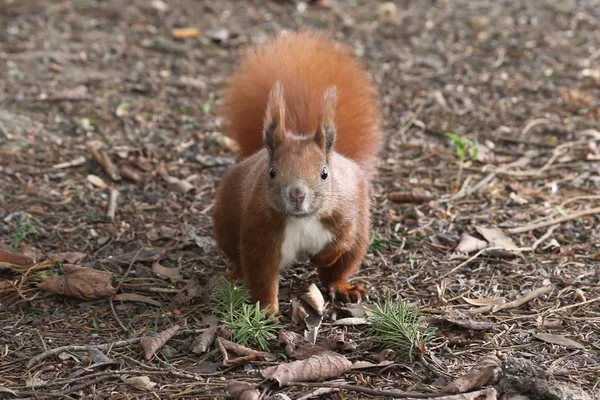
(522, 78)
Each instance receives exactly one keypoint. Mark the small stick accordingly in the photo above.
(583, 303)
(525, 299)
(112, 307)
(557, 221)
(543, 238)
(112, 203)
(376, 392)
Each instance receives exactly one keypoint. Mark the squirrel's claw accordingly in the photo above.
(346, 292)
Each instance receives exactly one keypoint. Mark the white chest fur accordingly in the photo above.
(303, 237)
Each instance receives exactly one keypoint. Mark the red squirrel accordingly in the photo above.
(305, 116)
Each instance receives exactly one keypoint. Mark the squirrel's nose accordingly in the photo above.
(297, 194)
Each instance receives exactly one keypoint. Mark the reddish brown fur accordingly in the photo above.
(247, 228)
(306, 63)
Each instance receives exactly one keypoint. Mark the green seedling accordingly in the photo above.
(378, 245)
(250, 325)
(24, 228)
(463, 146)
(399, 326)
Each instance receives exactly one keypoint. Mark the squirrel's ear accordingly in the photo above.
(274, 126)
(325, 136)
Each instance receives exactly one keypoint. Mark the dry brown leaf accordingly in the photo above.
(83, 283)
(559, 340)
(151, 344)
(486, 301)
(470, 244)
(72, 257)
(242, 391)
(340, 341)
(102, 158)
(178, 185)
(496, 237)
(136, 297)
(245, 354)
(171, 273)
(16, 259)
(161, 232)
(314, 298)
(131, 173)
(321, 366)
(462, 320)
(351, 321)
(386, 355)
(97, 181)
(368, 364)
(415, 196)
(194, 289)
(296, 346)
(139, 381)
(576, 100)
(486, 371)
(299, 313)
(207, 338)
(182, 33)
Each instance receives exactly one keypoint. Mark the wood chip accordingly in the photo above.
(496, 237)
(183, 33)
(314, 298)
(469, 244)
(485, 372)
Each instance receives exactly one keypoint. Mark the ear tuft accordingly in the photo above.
(274, 125)
(326, 131)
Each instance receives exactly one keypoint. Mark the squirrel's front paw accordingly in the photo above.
(346, 292)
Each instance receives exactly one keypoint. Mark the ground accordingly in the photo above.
(519, 78)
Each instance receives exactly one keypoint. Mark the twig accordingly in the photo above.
(525, 299)
(543, 238)
(410, 121)
(480, 252)
(583, 303)
(557, 221)
(112, 307)
(533, 123)
(134, 259)
(89, 383)
(112, 204)
(121, 343)
(373, 392)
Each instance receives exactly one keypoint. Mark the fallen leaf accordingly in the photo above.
(355, 310)
(178, 185)
(470, 244)
(321, 366)
(183, 33)
(485, 372)
(130, 172)
(462, 320)
(576, 100)
(485, 301)
(102, 158)
(415, 196)
(161, 232)
(245, 354)
(206, 367)
(559, 340)
(299, 313)
(99, 358)
(7, 390)
(80, 282)
(171, 273)
(242, 391)
(202, 343)
(151, 344)
(496, 237)
(34, 382)
(97, 181)
(351, 321)
(385, 355)
(296, 346)
(139, 381)
(136, 297)
(194, 289)
(16, 259)
(72, 257)
(368, 364)
(314, 298)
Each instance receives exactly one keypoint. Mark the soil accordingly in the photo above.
(519, 78)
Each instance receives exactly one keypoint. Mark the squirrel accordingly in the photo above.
(305, 116)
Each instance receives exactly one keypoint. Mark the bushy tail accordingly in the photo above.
(306, 63)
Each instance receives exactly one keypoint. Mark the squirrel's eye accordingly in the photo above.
(272, 173)
(324, 173)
